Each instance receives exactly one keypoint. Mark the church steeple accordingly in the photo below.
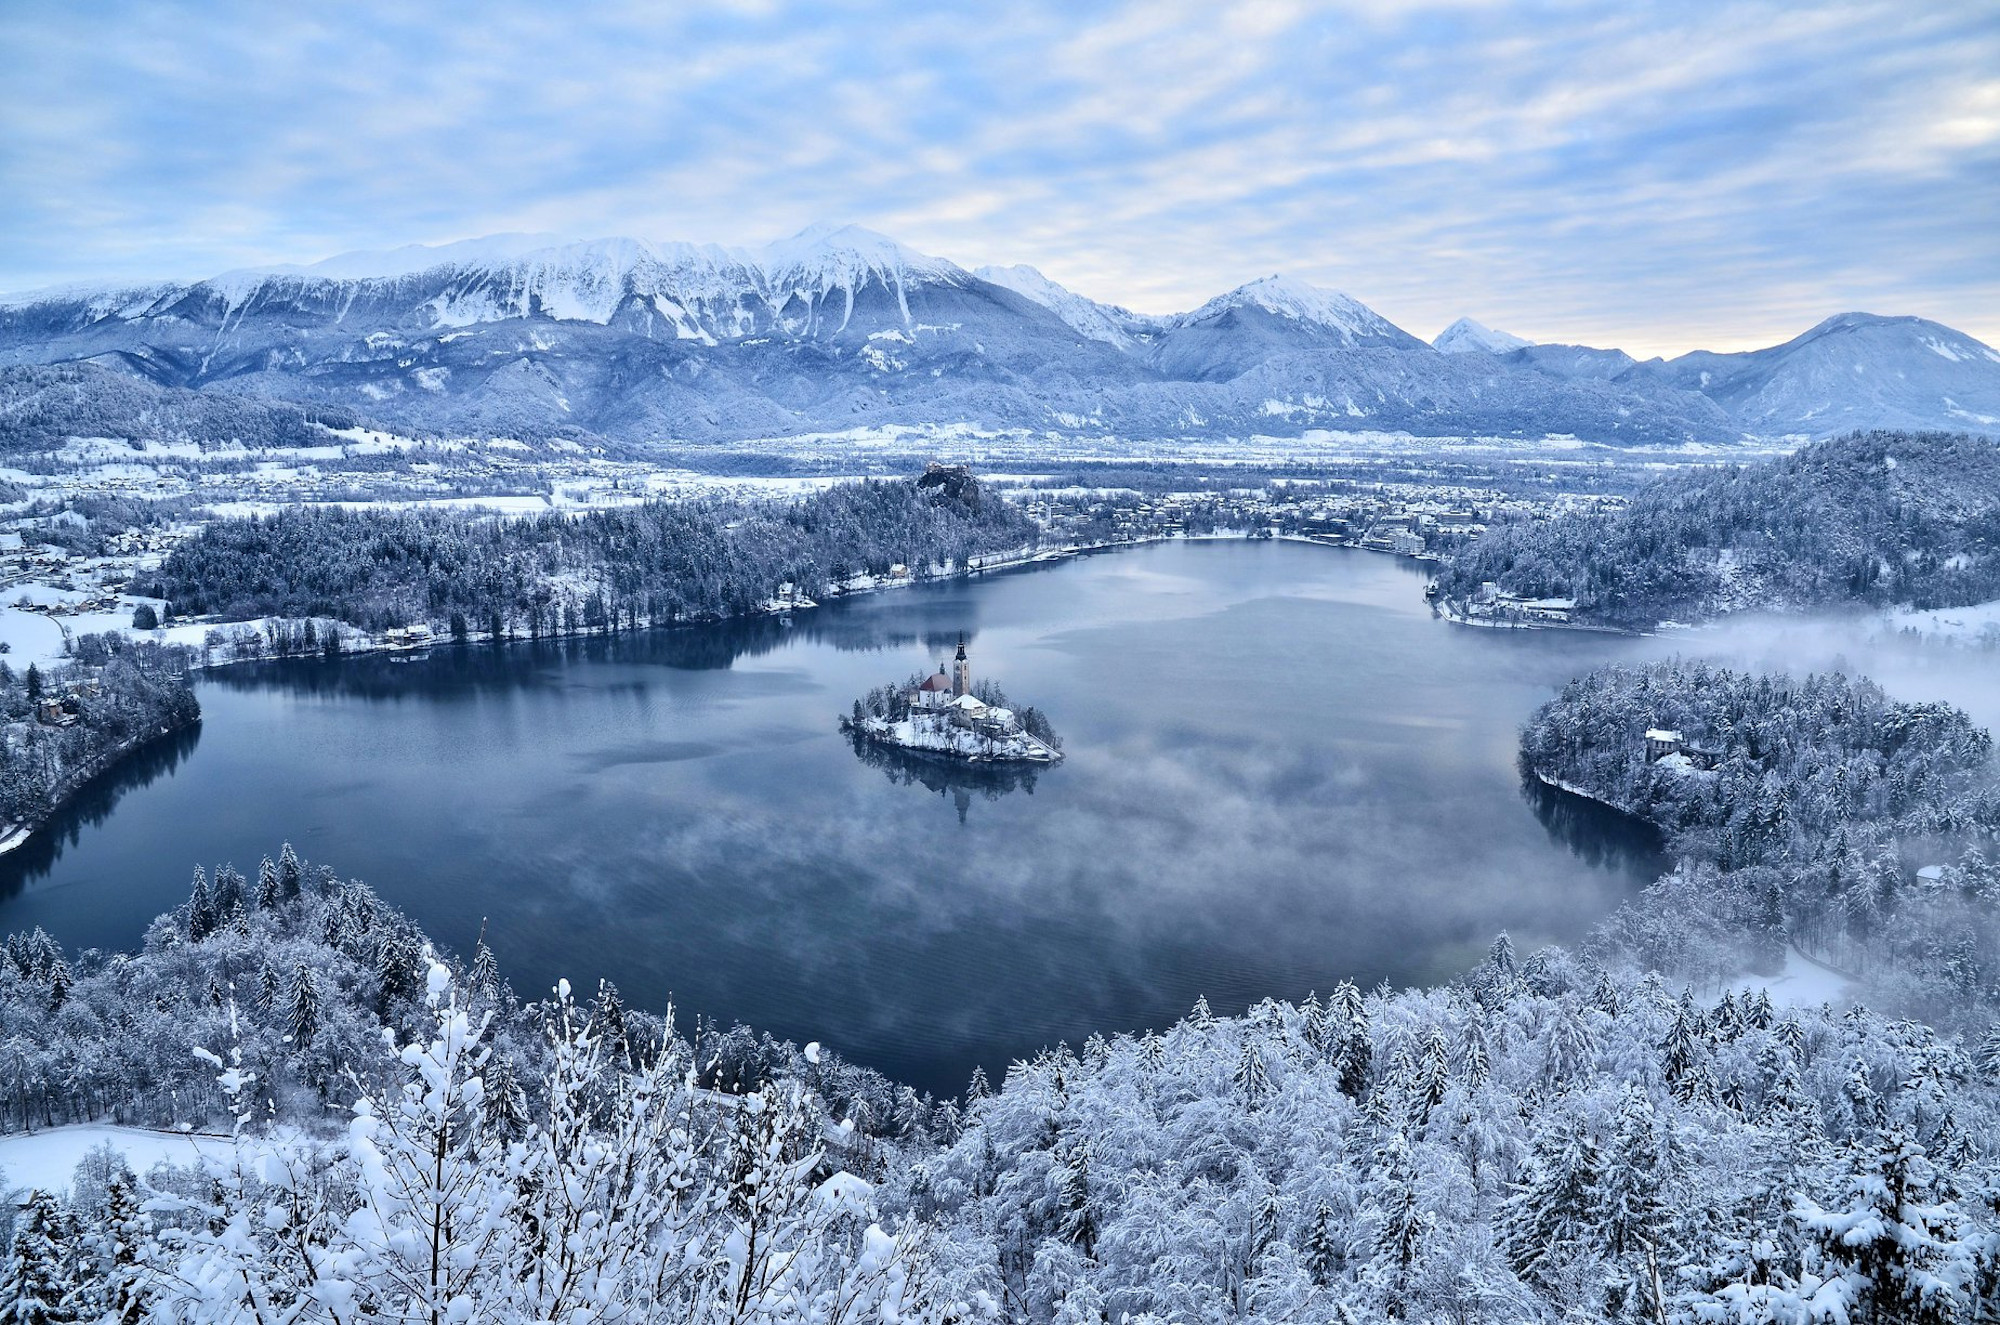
(961, 671)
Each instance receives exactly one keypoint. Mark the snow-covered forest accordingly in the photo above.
(1870, 519)
(1859, 829)
(66, 724)
(1616, 1133)
(1545, 1138)
(651, 564)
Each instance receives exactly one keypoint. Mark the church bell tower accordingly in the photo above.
(961, 671)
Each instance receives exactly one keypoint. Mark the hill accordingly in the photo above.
(1874, 519)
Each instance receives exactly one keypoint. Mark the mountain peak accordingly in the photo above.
(1943, 341)
(831, 253)
(1465, 335)
(1300, 301)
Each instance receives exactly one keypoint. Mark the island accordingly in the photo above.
(946, 714)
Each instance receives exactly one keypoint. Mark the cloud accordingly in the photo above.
(1655, 177)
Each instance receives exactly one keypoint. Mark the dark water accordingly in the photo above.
(1282, 773)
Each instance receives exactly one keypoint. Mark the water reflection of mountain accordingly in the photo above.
(92, 805)
(1594, 832)
(713, 646)
(952, 778)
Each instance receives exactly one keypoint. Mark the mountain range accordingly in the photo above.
(838, 327)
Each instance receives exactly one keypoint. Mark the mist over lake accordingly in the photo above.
(1282, 772)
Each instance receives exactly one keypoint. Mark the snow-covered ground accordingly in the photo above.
(1979, 624)
(46, 1160)
(1802, 983)
(30, 638)
(935, 734)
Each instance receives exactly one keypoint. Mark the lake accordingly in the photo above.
(1282, 773)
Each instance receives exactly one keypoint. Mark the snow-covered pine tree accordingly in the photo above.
(1252, 1078)
(38, 1275)
(1401, 1224)
(1355, 1056)
(201, 908)
(126, 1253)
(302, 1008)
(1553, 1214)
(291, 873)
(1895, 1251)
(485, 974)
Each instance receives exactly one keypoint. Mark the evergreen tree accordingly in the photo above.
(1636, 1185)
(39, 1276)
(1201, 1018)
(1895, 1252)
(1554, 1212)
(1252, 1078)
(201, 916)
(485, 972)
(1402, 1224)
(61, 981)
(1356, 1054)
(128, 1239)
(302, 1008)
(291, 873)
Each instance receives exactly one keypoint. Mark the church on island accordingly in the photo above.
(940, 714)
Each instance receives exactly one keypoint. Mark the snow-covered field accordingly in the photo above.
(30, 638)
(1802, 983)
(46, 1160)
(1979, 624)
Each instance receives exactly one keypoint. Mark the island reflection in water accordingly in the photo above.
(956, 780)
(1281, 773)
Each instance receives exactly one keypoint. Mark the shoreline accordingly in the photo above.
(1021, 559)
(1572, 789)
(1457, 618)
(867, 732)
(17, 835)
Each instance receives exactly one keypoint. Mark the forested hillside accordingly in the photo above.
(1825, 800)
(1870, 519)
(652, 564)
(1541, 1140)
(43, 407)
(115, 694)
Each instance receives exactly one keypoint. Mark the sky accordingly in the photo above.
(1656, 176)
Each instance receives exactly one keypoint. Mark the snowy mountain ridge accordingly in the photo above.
(1296, 300)
(840, 327)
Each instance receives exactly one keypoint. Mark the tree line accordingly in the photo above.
(605, 570)
(1875, 519)
(1545, 1138)
(67, 723)
(1859, 828)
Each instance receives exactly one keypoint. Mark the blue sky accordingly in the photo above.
(1654, 176)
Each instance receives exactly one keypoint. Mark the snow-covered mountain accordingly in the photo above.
(1465, 335)
(1854, 370)
(839, 326)
(1106, 322)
